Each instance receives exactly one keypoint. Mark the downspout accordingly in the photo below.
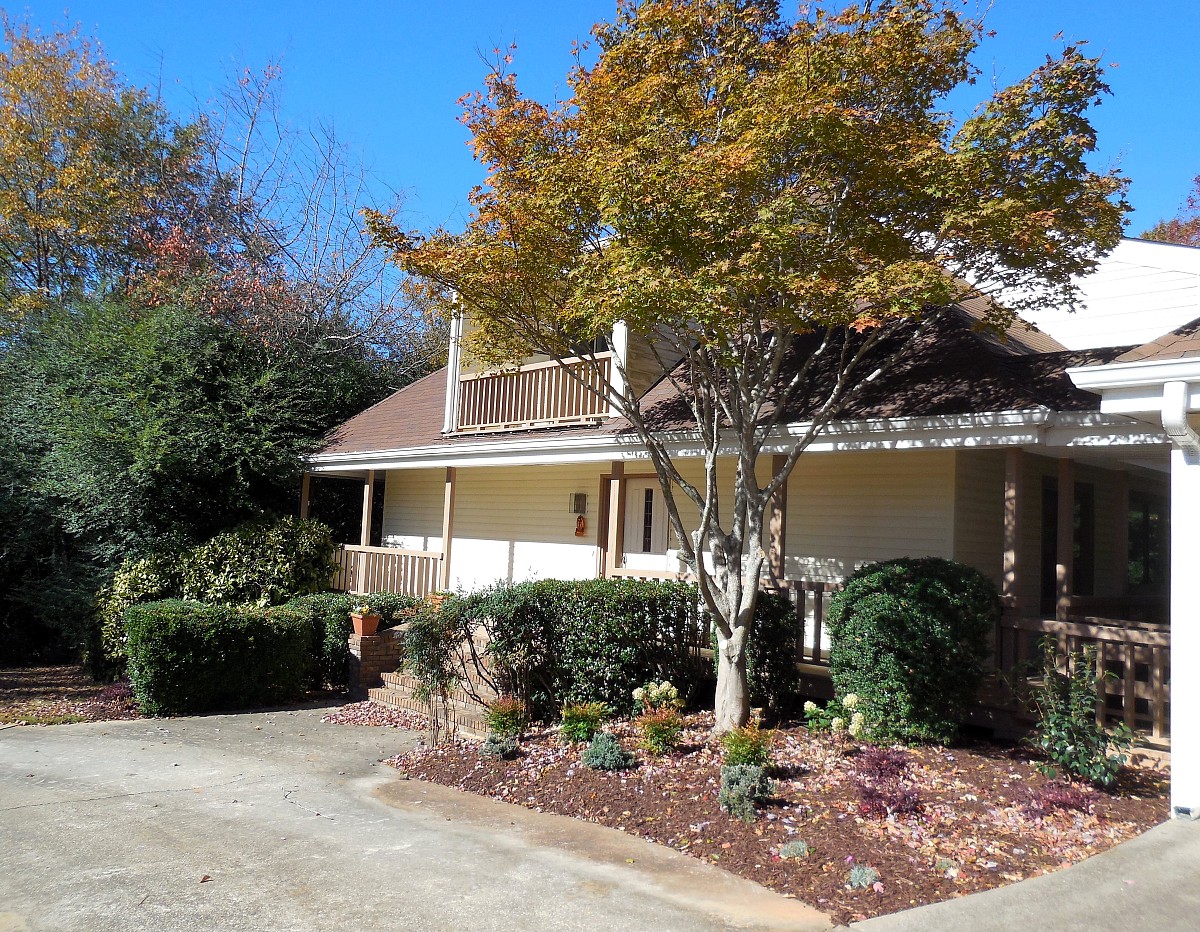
(1174, 418)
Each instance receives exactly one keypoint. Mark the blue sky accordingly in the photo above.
(387, 73)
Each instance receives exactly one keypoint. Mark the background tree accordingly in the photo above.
(185, 310)
(1184, 229)
(88, 168)
(779, 207)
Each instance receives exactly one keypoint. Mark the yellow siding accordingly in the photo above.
(979, 511)
(412, 509)
(515, 523)
(846, 509)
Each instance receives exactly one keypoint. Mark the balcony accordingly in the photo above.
(547, 394)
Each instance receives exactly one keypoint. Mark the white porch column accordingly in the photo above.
(1185, 633)
(453, 371)
(364, 537)
(620, 352)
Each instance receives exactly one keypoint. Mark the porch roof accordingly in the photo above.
(954, 370)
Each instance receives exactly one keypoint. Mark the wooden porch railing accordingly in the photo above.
(539, 395)
(810, 598)
(1134, 659)
(387, 569)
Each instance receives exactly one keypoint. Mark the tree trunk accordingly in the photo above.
(733, 693)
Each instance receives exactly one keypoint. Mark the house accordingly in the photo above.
(1062, 462)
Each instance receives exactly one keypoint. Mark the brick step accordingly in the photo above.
(470, 722)
(408, 683)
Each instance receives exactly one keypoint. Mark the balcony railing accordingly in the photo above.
(541, 395)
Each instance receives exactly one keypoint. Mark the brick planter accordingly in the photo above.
(370, 658)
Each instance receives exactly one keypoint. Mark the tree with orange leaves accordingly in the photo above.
(768, 202)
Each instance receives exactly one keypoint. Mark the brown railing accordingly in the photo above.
(1133, 658)
(387, 569)
(540, 395)
(810, 598)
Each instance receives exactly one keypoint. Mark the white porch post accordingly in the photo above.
(453, 371)
(1185, 633)
(364, 537)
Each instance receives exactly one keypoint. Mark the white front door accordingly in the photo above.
(645, 536)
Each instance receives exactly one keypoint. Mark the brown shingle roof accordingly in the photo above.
(1185, 341)
(954, 369)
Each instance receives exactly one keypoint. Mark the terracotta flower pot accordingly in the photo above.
(365, 625)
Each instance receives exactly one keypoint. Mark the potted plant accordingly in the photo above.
(365, 620)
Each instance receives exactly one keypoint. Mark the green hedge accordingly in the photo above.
(188, 657)
(771, 651)
(595, 640)
(555, 642)
(909, 638)
(329, 613)
(259, 563)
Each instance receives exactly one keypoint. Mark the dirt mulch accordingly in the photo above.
(61, 695)
(955, 821)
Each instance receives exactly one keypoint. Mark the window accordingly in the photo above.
(1149, 537)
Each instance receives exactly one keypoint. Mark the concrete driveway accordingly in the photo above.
(276, 821)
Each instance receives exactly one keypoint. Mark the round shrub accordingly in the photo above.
(605, 753)
(910, 637)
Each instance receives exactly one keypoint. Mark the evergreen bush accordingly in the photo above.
(910, 638)
(188, 657)
(605, 753)
(743, 785)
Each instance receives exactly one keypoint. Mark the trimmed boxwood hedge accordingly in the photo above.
(189, 657)
(329, 613)
(555, 642)
(909, 637)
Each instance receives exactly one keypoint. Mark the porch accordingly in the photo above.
(1077, 546)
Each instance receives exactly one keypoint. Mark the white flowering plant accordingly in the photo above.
(657, 696)
(844, 715)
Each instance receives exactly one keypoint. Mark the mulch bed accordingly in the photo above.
(61, 695)
(970, 818)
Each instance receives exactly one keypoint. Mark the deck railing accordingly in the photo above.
(387, 569)
(540, 395)
(1133, 660)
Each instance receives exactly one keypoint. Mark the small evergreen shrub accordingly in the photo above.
(794, 850)
(910, 638)
(500, 747)
(188, 657)
(581, 720)
(507, 717)
(659, 730)
(605, 753)
(862, 877)
(747, 745)
(1067, 732)
(743, 785)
